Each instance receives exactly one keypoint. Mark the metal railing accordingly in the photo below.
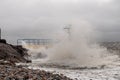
(35, 41)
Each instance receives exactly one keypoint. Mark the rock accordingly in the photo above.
(13, 53)
(3, 41)
(19, 73)
(7, 78)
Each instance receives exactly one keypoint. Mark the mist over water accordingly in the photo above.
(78, 49)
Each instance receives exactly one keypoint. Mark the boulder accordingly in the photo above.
(3, 41)
(13, 53)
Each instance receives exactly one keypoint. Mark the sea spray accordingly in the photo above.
(35, 51)
(80, 50)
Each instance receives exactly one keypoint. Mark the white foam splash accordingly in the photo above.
(79, 50)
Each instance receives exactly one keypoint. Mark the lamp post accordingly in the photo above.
(68, 28)
(0, 33)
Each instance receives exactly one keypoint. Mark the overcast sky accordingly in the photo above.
(39, 18)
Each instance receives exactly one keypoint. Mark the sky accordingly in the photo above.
(21, 19)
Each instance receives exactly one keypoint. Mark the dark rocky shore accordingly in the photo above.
(20, 73)
(11, 54)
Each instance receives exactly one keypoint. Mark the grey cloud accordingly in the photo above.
(38, 18)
